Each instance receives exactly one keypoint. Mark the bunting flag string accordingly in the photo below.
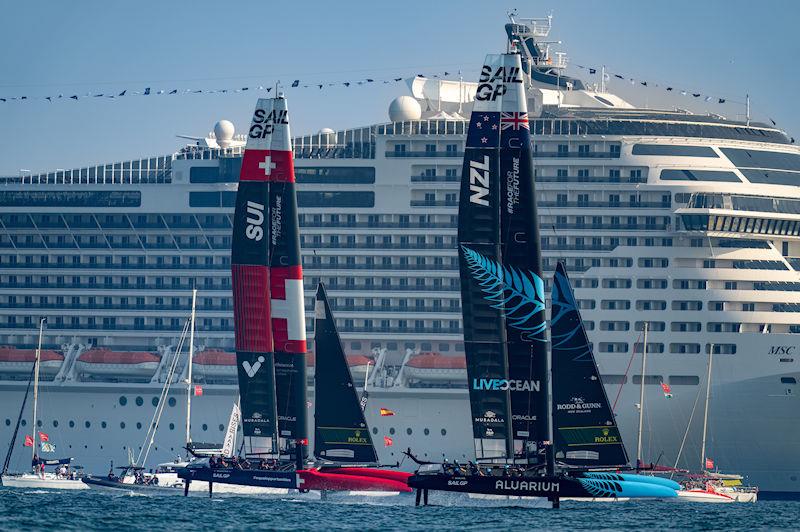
(668, 88)
(150, 91)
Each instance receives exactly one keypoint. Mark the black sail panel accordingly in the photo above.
(524, 300)
(584, 427)
(250, 274)
(480, 262)
(341, 433)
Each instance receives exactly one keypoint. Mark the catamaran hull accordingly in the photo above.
(356, 480)
(550, 487)
(31, 481)
(284, 480)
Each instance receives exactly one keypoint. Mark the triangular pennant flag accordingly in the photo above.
(295, 83)
(346, 83)
(174, 91)
(74, 97)
(48, 99)
(122, 93)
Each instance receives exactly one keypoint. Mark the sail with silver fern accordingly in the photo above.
(502, 290)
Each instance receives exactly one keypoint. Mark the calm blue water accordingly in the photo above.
(90, 510)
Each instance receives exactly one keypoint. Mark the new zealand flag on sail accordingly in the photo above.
(484, 130)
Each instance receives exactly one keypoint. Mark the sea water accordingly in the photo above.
(93, 510)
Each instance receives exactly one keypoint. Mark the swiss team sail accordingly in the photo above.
(341, 433)
(584, 427)
(269, 321)
(501, 287)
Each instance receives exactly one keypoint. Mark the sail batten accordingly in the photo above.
(267, 279)
(586, 432)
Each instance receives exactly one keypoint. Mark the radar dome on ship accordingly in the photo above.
(223, 131)
(404, 108)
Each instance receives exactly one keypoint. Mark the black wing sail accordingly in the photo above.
(250, 274)
(341, 433)
(583, 425)
(523, 288)
(480, 263)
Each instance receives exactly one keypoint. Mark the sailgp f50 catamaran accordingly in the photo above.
(503, 306)
(270, 333)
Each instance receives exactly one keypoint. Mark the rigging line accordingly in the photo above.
(686, 433)
(7, 461)
(624, 377)
(225, 78)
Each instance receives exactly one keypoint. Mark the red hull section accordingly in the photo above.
(397, 476)
(314, 479)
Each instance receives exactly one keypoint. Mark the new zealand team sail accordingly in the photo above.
(585, 430)
(341, 433)
(501, 286)
(267, 280)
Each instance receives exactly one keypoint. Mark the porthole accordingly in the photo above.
(391, 430)
(24, 423)
(55, 423)
(139, 401)
(409, 431)
(426, 431)
(155, 401)
(123, 400)
(221, 427)
(104, 424)
(444, 432)
(374, 430)
(71, 424)
(8, 422)
(172, 426)
(205, 427)
(101, 446)
(85, 446)
(122, 426)
(172, 401)
(38, 422)
(139, 426)
(88, 424)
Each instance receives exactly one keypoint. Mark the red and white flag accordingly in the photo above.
(198, 390)
(28, 441)
(667, 390)
(44, 437)
(387, 441)
(709, 463)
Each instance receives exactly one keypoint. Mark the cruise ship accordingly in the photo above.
(689, 222)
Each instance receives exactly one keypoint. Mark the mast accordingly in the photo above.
(189, 375)
(641, 400)
(705, 413)
(36, 385)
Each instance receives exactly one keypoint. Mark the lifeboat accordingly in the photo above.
(357, 364)
(104, 362)
(429, 367)
(215, 363)
(20, 361)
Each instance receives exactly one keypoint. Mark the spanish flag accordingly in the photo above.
(386, 412)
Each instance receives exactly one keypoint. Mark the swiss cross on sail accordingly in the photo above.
(267, 279)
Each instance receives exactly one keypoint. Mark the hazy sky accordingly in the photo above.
(724, 48)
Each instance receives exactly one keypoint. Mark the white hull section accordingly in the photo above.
(703, 496)
(31, 481)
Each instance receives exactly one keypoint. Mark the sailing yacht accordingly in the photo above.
(62, 479)
(505, 330)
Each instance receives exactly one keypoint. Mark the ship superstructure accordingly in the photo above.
(689, 222)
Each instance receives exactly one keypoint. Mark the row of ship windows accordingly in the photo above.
(369, 326)
(104, 425)
(377, 283)
(740, 224)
